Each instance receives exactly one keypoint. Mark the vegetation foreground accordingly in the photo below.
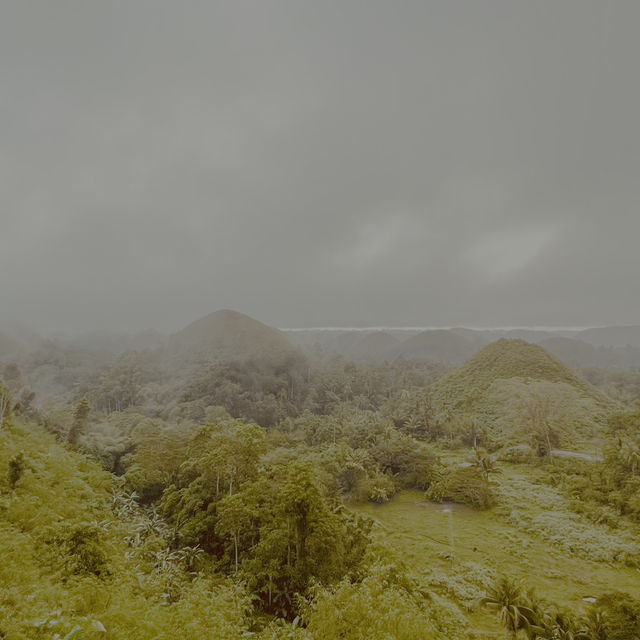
(243, 499)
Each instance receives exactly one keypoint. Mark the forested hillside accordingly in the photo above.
(230, 486)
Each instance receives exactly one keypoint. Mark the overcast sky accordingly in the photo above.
(319, 163)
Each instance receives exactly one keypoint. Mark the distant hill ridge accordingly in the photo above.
(230, 334)
(441, 345)
(609, 347)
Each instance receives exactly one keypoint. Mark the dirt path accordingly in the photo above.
(565, 453)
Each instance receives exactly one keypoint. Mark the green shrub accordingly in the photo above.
(16, 469)
(463, 485)
(378, 488)
(83, 545)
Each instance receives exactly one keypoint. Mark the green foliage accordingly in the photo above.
(208, 526)
(71, 559)
(377, 488)
(259, 389)
(157, 452)
(379, 608)
(220, 459)
(412, 412)
(462, 484)
(617, 618)
(549, 516)
(614, 616)
(284, 532)
(541, 413)
(513, 607)
(17, 467)
(83, 547)
(609, 488)
(120, 386)
(339, 384)
(365, 454)
(511, 387)
(80, 420)
(5, 404)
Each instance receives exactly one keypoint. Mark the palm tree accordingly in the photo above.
(485, 464)
(559, 626)
(632, 457)
(514, 612)
(593, 626)
(5, 403)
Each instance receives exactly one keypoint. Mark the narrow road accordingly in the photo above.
(564, 453)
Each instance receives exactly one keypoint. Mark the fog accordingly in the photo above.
(337, 163)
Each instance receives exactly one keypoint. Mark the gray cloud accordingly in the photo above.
(408, 163)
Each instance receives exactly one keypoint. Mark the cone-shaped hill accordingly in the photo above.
(230, 335)
(500, 382)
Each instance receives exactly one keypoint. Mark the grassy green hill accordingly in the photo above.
(510, 382)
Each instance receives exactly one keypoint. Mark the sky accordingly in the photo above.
(352, 163)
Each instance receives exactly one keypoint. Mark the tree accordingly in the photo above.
(631, 455)
(594, 626)
(514, 612)
(619, 616)
(461, 484)
(383, 606)
(281, 532)
(120, 386)
(234, 518)
(546, 411)
(485, 464)
(160, 450)
(24, 404)
(80, 421)
(220, 459)
(228, 452)
(17, 466)
(5, 404)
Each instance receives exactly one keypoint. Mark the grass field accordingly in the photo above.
(530, 535)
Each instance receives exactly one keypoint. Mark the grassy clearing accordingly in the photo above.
(529, 535)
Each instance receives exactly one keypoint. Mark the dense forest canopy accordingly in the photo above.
(232, 484)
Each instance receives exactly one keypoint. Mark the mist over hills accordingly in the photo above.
(441, 345)
(215, 412)
(58, 366)
(226, 333)
(610, 347)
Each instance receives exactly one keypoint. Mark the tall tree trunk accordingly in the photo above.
(3, 409)
(235, 540)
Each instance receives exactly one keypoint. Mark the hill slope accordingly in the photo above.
(78, 554)
(229, 334)
(498, 385)
(440, 345)
(583, 354)
(611, 336)
(372, 347)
